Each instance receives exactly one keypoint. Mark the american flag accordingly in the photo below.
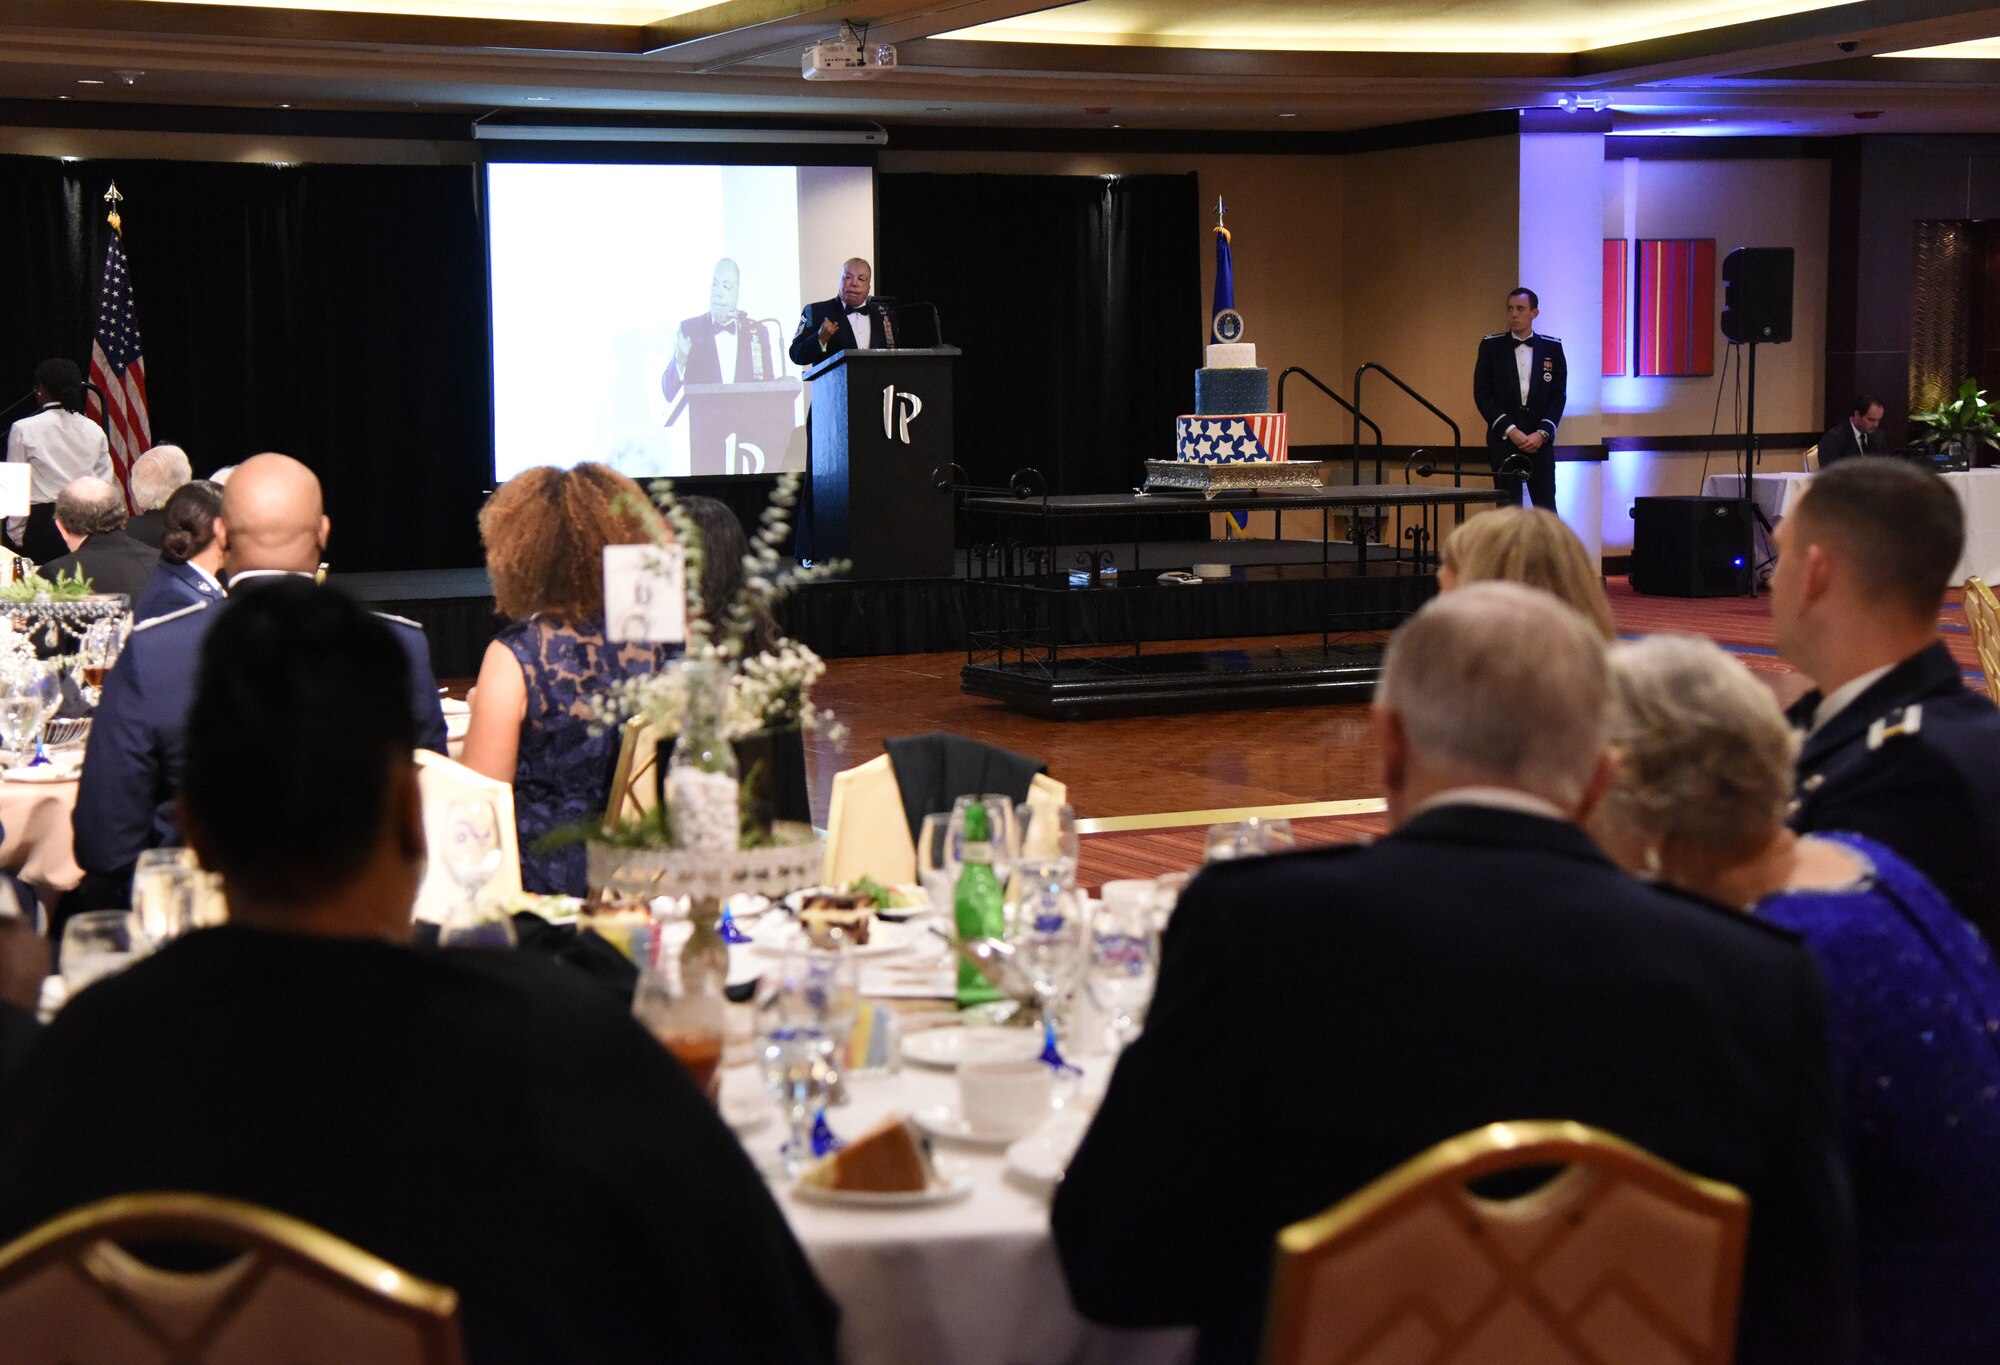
(118, 369)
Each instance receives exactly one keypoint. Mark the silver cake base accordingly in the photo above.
(1186, 478)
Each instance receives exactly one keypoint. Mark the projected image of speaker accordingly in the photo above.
(1757, 294)
(1690, 547)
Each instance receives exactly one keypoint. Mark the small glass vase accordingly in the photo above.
(702, 784)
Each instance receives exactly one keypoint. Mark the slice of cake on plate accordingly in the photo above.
(893, 1157)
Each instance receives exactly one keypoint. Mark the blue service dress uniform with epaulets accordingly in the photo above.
(134, 758)
(1913, 763)
(1496, 392)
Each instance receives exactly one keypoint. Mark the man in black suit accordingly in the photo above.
(90, 517)
(489, 1120)
(1858, 435)
(1519, 383)
(852, 320)
(721, 346)
(1323, 1016)
(1897, 747)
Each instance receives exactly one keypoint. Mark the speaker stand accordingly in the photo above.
(1753, 515)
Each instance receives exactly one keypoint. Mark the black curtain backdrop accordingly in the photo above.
(1077, 302)
(335, 313)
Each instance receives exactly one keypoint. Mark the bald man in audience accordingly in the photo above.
(1897, 747)
(90, 517)
(1324, 1016)
(271, 526)
(155, 476)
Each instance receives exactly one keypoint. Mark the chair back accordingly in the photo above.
(70, 1291)
(1982, 615)
(635, 782)
(442, 780)
(1811, 461)
(867, 833)
(1620, 1258)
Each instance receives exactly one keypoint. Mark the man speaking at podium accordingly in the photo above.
(721, 346)
(853, 321)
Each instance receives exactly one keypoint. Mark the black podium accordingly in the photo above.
(740, 428)
(881, 424)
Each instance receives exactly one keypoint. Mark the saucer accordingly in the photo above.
(945, 1121)
(944, 1047)
(950, 1181)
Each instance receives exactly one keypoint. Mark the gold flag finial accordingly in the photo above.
(114, 198)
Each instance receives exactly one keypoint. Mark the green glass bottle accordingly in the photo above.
(976, 904)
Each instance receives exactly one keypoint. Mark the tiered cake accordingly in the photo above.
(1232, 422)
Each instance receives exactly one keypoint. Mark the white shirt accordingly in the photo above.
(213, 581)
(1838, 700)
(1524, 363)
(58, 446)
(1492, 798)
(864, 328)
(727, 354)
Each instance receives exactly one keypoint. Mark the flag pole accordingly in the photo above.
(114, 198)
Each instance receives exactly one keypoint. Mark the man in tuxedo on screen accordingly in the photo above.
(721, 346)
(1519, 384)
(853, 320)
(1858, 435)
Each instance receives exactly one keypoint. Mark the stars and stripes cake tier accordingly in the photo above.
(1231, 423)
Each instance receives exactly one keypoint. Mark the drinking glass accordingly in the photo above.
(937, 861)
(97, 944)
(1250, 838)
(44, 685)
(167, 892)
(20, 721)
(1124, 963)
(472, 855)
(1049, 933)
(806, 1012)
(1048, 836)
(688, 1024)
(99, 650)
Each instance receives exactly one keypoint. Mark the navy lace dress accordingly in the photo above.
(562, 776)
(1914, 1012)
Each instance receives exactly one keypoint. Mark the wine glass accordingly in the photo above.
(1124, 962)
(1047, 836)
(20, 719)
(166, 892)
(1049, 931)
(806, 1012)
(937, 861)
(472, 854)
(98, 944)
(99, 650)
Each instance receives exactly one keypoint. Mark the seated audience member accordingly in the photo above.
(545, 532)
(1528, 545)
(270, 527)
(90, 517)
(723, 546)
(1700, 799)
(155, 476)
(190, 556)
(487, 1120)
(1897, 747)
(1323, 1016)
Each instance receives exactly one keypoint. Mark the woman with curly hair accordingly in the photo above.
(545, 531)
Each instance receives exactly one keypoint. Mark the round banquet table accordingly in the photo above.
(39, 847)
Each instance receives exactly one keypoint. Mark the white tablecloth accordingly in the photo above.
(39, 847)
(1978, 493)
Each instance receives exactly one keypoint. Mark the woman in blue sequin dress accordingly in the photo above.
(1913, 993)
(545, 531)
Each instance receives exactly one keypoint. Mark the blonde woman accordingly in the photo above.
(1531, 546)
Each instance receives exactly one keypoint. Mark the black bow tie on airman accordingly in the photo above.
(1528, 340)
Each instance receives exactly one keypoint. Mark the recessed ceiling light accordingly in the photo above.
(62, 97)
(538, 99)
(86, 80)
(284, 106)
(1288, 116)
(1704, 120)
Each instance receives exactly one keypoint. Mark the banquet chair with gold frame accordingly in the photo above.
(442, 780)
(1982, 616)
(1810, 460)
(70, 1292)
(867, 834)
(1620, 1257)
(635, 783)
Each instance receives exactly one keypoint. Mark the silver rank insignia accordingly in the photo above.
(1908, 722)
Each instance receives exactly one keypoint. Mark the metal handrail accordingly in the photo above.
(1457, 436)
(1313, 379)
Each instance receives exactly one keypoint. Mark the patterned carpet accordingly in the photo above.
(1741, 625)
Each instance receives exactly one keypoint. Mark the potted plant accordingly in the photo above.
(1967, 426)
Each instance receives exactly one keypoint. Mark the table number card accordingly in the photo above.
(645, 593)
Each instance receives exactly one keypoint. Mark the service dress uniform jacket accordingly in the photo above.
(172, 587)
(1496, 391)
(1913, 763)
(806, 350)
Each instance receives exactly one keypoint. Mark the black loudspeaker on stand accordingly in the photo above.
(1756, 311)
(1691, 547)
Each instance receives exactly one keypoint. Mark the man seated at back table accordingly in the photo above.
(1323, 1016)
(486, 1119)
(271, 526)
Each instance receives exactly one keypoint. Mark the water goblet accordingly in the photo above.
(97, 944)
(167, 887)
(804, 1016)
(472, 854)
(20, 720)
(937, 861)
(1049, 931)
(1124, 963)
(1048, 838)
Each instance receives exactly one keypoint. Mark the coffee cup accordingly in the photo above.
(1005, 1098)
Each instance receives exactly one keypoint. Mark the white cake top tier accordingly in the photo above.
(1232, 355)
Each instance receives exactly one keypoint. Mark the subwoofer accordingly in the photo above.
(1690, 547)
(1757, 294)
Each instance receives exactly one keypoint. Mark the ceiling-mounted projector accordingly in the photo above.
(846, 58)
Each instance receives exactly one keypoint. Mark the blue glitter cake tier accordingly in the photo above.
(1230, 391)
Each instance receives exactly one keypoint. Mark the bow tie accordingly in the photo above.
(1527, 340)
(728, 326)
(860, 308)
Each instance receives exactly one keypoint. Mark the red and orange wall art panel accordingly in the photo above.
(1673, 309)
(1617, 304)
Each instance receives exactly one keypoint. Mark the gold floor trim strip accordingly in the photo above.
(1302, 810)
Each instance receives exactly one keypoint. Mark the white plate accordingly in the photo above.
(949, 1181)
(944, 1047)
(773, 936)
(48, 772)
(1041, 1158)
(919, 900)
(945, 1121)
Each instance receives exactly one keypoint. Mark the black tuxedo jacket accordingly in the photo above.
(1496, 389)
(753, 357)
(1913, 763)
(1839, 443)
(113, 562)
(806, 349)
(1323, 1016)
(489, 1120)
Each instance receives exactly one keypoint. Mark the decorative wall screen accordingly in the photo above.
(1673, 309)
(1617, 303)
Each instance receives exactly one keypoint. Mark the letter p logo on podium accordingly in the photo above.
(898, 411)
